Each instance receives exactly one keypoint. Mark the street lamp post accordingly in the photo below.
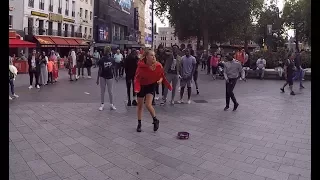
(152, 23)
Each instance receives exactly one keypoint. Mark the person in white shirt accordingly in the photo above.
(261, 66)
(118, 58)
(96, 57)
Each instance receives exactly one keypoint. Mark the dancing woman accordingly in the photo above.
(148, 75)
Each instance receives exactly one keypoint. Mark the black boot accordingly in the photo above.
(134, 103)
(139, 126)
(235, 106)
(155, 124)
(129, 103)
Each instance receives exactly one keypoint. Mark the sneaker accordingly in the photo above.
(189, 101)
(89, 77)
(38, 87)
(235, 107)
(197, 91)
(163, 102)
(139, 126)
(226, 108)
(155, 124)
(180, 101)
(282, 90)
(15, 96)
(30, 87)
(10, 98)
(134, 103)
(302, 87)
(292, 93)
(129, 103)
(101, 107)
(112, 107)
(156, 98)
(172, 102)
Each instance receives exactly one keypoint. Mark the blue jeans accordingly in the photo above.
(11, 86)
(298, 76)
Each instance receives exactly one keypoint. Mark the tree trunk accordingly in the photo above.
(198, 42)
(205, 38)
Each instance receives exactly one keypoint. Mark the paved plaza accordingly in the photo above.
(57, 133)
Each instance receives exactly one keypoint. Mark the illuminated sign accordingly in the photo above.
(55, 17)
(34, 13)
(68, 20)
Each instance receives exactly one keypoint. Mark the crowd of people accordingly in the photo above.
(145, 71)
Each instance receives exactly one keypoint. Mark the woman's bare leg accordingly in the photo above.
(139, 112)
(149, 98)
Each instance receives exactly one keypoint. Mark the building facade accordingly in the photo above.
(84, 18)
(166, 37)
(139, 6)
(148, 23)
(114, 24)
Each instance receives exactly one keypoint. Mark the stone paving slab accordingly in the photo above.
(57, 133)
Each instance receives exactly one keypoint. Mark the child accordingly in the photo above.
(13, 72)
(50, 71)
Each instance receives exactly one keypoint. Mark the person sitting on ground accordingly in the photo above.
(261, 66)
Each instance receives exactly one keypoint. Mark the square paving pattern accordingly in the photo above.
(57, 133)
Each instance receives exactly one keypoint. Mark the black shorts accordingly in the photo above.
(290, 79)
(147, 89)
(195, 76)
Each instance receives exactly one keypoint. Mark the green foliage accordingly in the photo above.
(273, 58)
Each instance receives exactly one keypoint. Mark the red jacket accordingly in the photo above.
(145, 76)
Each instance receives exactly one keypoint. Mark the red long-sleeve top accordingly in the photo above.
(145, 76)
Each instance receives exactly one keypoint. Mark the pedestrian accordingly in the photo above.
(105, 77)
(160, 57)
(130, 66)
(240, 56)
(280, 69)
(55, 68)
(299, 71)
(196, 73)
(96, 57)
(88, 64)
(289, 69)
(261, 67)
(50, 71)
(148, 74)
(172, 69)
(72, 65)
(43, 69)
(232, 69)
(118, 58)
(204, 57)
(34, 69)
(188, 66)
(80, 63)
(214, 64)
(13, 72)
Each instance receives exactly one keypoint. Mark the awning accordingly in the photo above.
(45, 41)
(60, 42)
(82, 42)
(72, 42)
(17, 43)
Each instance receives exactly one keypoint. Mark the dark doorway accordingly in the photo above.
(50, 28)
(41, 27)
(59, 29)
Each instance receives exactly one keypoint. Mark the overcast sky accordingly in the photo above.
(280, 4)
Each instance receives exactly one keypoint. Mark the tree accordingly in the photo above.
(209, 19)
(296, 15)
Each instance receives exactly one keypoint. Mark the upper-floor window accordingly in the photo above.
(86, 14)
(87, 1)
(51, 5)
(31, 3)
(80, 13)
(41, 4)
(90, 15)
(67, 8)
(73, 8)
(10, 21)
(60, 7)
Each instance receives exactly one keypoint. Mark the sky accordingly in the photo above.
(280, 4)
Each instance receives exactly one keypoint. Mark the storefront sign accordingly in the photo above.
(34, 13)
(68, 20)
(55, 17)
(125, 5)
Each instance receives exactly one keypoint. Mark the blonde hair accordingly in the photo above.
(146, 53)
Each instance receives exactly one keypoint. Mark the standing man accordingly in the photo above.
(80, 63)
(171, 69)
(188, 66)
(261, 66)
(96, 57)
(130, 66)
(232, 69)
(118, 58)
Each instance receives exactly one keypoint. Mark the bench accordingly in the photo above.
(273, 74)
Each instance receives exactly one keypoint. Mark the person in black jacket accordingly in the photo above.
(34, 69)
(130, 66)
(88, 64)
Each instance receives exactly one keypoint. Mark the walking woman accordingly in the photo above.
(72, 64)
(105, 77)
(54, 58)
(289, 69)
(34, 69)
(43, 69)
(214, 64)
(148, 75)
